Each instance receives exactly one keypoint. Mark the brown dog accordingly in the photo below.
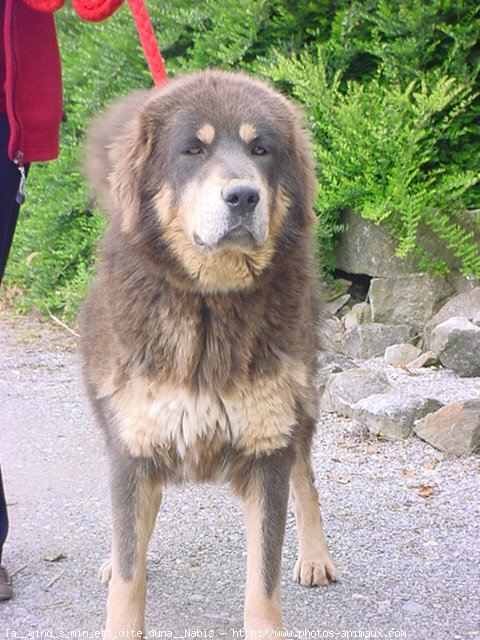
(200, 334)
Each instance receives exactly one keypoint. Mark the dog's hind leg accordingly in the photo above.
(136, 495)
(264, 492)
(314, 565)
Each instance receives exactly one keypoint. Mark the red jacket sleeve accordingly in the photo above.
(32, 84)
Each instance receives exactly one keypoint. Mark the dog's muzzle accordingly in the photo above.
(240, 219)
(241, 200)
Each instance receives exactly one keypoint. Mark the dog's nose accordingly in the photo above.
(241, 198)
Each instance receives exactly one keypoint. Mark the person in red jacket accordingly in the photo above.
(30, 104)
(30, 115)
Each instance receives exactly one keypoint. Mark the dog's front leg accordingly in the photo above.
(136, 495)
(315, 565)
(265, 497)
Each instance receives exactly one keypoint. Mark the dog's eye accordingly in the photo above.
(259, 151)
(194, 150)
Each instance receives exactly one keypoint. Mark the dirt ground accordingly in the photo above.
(410, 563)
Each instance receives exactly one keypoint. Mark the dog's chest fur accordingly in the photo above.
(253, 418)
(203, 373)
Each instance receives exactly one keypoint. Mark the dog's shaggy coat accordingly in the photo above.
(200, 333)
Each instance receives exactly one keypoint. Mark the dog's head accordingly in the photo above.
(214, 168)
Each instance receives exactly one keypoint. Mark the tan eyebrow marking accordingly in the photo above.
(247, 132)
(206, 133)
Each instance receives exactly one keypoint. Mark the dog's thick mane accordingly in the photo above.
(164, 323)
(196, 340)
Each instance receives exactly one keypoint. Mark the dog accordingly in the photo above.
(201, 331)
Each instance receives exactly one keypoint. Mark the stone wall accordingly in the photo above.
(408, 319)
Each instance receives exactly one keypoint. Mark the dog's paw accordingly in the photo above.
(105, 572)
(310, 572)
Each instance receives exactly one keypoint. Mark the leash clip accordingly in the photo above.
(20, 197)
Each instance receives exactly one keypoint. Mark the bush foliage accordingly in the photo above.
(389, 89)
(378, 150)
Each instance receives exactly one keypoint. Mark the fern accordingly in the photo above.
(377, 147)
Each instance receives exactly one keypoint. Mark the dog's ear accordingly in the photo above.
(118, 143)
(128, 154)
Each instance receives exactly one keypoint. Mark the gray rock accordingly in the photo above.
(393, 416)
(397, 353)
(359, 314)
(456, 343)
(454, 429)
(462, 284)
(336, 360)
(414, 608)
(329, 363)
(371, 340)
(367, 248)
(410, 299)
(344, 390)
(427, 359)
(476, 318)
(335, 305)
(463, 305)
(331, 332)
(352, 256)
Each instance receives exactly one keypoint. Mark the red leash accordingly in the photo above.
(97, 10)
(149, 42)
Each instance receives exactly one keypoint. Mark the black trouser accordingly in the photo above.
(9, 207)
(3, 516)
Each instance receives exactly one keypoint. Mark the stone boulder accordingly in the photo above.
(336, 362)
(330, 362)
(344, 390)
(392, 416)
(401, 353)
(465, 305)
(367, 248)
(462, 284)
(411, 299)
(454, 429)
(333, 306)
(426, 359)
(359, 314)
(371, 340)
(456, 343)
(330, 332)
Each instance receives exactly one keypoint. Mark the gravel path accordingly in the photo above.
(410, 563)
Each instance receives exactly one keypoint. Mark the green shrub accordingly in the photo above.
(399, 42)
(378, 150)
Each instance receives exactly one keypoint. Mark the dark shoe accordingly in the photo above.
(5, 584)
